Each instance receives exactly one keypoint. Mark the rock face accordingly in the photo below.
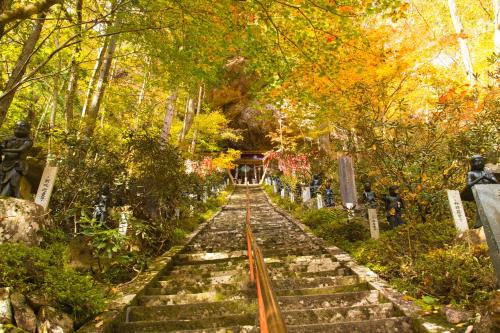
(23, 315)
(21, 221)
(51, 320)
(5, 309)
(455, 316)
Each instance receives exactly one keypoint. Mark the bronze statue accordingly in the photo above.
(101, 205)
(328, 192)
(369, 197)
(477, 175)
(393, 207)
(13, 165)
(315, 185)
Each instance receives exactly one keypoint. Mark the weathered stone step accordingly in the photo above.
(272, 251)
(195, 274)
(234, 329)
(240, 264)
(210, 257)
(210, 296)
(389, 325)
(316, 282)
(346, 299)
(194, 282)
(340, 314)
(195, 324)
(181, 288)
(323, 291)
(190, 311)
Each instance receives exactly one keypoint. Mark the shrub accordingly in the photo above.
(396, 249)
(27, 269)
(74, 292)
(455, 274)
(336, 227)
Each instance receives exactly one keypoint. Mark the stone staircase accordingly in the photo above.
(207, 289)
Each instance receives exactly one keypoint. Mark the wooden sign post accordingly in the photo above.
(457, 210)
(373, 220)
(124, 218)
(46, 186)
(306, 194)
(319, 201)
(347, 182)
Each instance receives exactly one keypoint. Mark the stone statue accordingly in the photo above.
(393, 207)
(369, 197)
(328, 192)
(101, 205)
(477, 175)
(13, 165)
(315, 184)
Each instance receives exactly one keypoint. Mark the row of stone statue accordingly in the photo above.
(393, 204)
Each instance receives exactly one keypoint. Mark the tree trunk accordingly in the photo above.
(4, 6)
(496, 25)
(100, 88)
(69, 98)
(201, 94)
(20, 67)
(188, 119)
(464, 49)
(169, 117)
(97, 68)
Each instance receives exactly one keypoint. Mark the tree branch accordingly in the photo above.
(26, 11)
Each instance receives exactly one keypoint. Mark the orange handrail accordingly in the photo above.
(270, 317)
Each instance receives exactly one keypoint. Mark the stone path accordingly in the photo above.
(207, 288)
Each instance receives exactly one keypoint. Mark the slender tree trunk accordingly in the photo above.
(20, 67)
(188, 119)
(4, 6)
(97, 68)
(464, 48)
(100, 88)
(142, 92)
(69, 98)
(169, 117)
(496, 25)
(201, 94)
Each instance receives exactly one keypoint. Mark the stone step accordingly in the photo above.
(195, 282)
(234, 329)
(388, 325)
(272, 251)
(197, 274)
(358, 298)
(190, 311)
(210, 296)
(323, 291)
(316, 282)
(195, 324)
(340, 314)
(181, 288)
(210, 267)
(210, 257)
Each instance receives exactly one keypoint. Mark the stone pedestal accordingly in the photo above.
(21, 221)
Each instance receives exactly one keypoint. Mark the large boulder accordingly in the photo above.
(21, 221)
(51, 320)
(23, 314)
(5, 308)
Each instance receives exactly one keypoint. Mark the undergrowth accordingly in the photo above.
(424, 260)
